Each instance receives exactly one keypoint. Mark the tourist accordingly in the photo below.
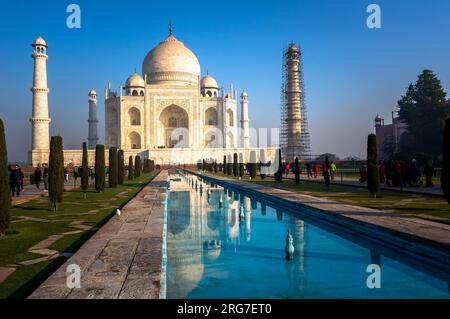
(66, 175)
(363, 173)
(15, 180)
(309, 170)
(414, 173)
(37, 177)
(75, 176)
(91, 174)
(21, 176)
(382, 170)
(429, 172)
(397, 176)
(326, 174)
(389, 171)
(405, 177)
(287, 168)
(333, 170)
(316, 169)
(45, 177)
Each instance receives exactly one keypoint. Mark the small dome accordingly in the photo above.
(209, 82)
(39, 41)
(171, 61)
(135, 81)
(92, 92)
(293, 47)
(378, 118)
(244, 94)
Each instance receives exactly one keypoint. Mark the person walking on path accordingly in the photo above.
(21, 176)
(326, 174)
(397, 174)
(382, 170)
(333, 170)
(309, 170)
(14, 181)
(75, 176)
(91, 174)
(316, 170)
(389, 171)
(37, 177)
(429, 172)
(363, 173)
(66, 174)
(45, 177)
(287, 168)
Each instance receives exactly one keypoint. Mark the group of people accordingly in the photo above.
(312, 169)
(78, 172)
(41, 175)
(397, 173)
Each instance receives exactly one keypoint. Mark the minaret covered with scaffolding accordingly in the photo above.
(294, 135)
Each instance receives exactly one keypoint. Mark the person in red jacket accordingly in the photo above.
(316, 170)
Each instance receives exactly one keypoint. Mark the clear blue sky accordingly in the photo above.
(351, 72)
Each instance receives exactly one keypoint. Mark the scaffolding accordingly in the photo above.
(294, 130)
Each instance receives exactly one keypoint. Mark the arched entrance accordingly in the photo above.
(174, 124)
(134, 141)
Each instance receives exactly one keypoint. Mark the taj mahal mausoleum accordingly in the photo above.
(169, 114)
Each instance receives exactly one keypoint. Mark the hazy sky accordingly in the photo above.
(351, 72)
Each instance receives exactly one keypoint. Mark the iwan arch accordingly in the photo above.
(169, 114)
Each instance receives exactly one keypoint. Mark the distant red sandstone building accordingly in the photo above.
(388, 135)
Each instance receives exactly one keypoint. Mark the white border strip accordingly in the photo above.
(163, 287)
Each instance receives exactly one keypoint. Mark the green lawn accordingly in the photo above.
(427, 207)
(94, 211)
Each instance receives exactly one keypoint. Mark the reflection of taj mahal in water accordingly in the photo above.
(211, 222)
(169, 106)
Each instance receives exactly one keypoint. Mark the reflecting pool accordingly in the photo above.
(222, 244)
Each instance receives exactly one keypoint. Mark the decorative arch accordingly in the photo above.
(211, 116)
(173, 118)
(134, 116)
(230, 118)
(134, 141)
(230, 140)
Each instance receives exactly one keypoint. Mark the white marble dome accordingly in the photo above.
(171, 61)
(135, 81)
(39, 41)
(209, 82)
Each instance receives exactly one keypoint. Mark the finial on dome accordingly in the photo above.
(135, 70)
(170, 27)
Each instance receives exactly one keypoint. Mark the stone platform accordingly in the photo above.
(123, 259)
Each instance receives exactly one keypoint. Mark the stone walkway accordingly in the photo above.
(31, 192)
(416, 236)
(123, 259)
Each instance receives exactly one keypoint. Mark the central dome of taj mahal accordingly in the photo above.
(172, 62)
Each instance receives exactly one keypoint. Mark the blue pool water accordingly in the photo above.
(235, 248)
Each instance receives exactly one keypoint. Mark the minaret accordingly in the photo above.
(244, 120)
(292, 91)
(92, 136)
(40, 122)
